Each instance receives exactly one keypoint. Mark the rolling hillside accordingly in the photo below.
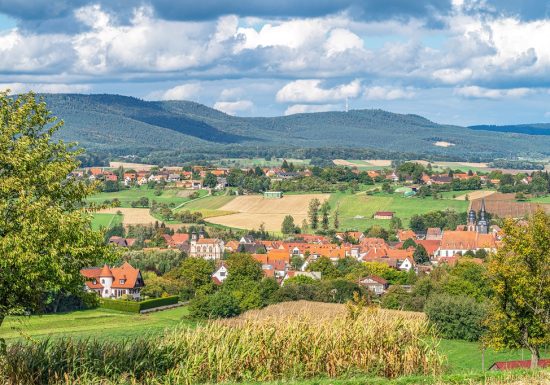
(126, 125)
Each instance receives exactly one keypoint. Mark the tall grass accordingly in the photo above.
(376, 342)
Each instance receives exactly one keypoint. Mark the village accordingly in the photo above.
(283, 256)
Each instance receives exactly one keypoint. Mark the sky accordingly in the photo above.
(461, 62)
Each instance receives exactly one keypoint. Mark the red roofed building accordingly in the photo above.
(526, 364)
(114, 282)
(383, 215)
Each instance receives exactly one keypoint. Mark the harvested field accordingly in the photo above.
(363, 163)
(474, 195)
(253, 210)
(505, 206)
(131, 216)
(134, 166)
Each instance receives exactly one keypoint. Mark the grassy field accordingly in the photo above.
(97, 323)
(209, 203)
(103, 220)
(245, 162)
(356, 210)
(127, 196)
(543, 199)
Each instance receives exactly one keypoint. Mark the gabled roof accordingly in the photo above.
(376, 279)
(126, 272)
(525, 364)
(466, 240)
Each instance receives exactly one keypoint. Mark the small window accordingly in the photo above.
(222, 273)
(102, 281)
(122, 281)
(94, 282)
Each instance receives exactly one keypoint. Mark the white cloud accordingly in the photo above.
(388, 93)
(310, 91)
(53, 88)
(182, 92)
(291, 34)
(488, 93)
(231, 108)
(308, 108)
(452, 75)
(340, 40)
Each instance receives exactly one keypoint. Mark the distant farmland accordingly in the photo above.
(253, 210)
(506, 206)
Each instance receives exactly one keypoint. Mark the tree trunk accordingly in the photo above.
(1, 318)
(535, 355)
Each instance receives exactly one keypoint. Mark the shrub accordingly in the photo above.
(136, 307)
(457, 316)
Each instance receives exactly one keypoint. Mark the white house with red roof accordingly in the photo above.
(114, 282)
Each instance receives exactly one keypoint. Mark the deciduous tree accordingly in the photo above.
(520, 278)
(45, 231)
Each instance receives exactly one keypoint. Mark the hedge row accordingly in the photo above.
(136, 307)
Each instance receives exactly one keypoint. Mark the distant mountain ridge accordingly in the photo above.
(529, 129)
(124, 125)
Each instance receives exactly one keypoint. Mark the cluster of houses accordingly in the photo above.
(276, 257)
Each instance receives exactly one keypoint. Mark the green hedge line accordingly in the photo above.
(136, 307)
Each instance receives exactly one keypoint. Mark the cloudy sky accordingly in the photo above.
(453, 61)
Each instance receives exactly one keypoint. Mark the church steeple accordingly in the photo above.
(483, 224)
(472, 220)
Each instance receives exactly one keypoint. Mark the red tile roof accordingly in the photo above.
(526, 364)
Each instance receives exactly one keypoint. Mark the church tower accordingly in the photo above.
(483, 224)
(472, 220)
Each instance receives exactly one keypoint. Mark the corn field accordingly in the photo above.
(253, 348)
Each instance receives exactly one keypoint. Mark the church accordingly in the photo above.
(481, 226)
(475, 237)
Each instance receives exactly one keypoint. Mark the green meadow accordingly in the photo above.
(96, 323)
(356, 210)
(127, 196)
(105, 220)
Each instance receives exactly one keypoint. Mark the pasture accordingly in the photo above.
(127, 196)
(253, 210)
(96, 323)
(364, 165)
(105, 220)
(261, 162)
(356, 210)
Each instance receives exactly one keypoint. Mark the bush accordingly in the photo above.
(136, 307)
(219, 305)
(457, 317)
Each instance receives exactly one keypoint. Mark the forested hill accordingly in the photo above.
(126, 125)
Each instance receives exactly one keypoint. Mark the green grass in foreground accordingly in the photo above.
(96, 323)
(353, 206)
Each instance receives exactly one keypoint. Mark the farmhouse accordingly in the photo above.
(273, 194)
(114, 282)
(220, 274)
(384, 215)
(376, 284)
